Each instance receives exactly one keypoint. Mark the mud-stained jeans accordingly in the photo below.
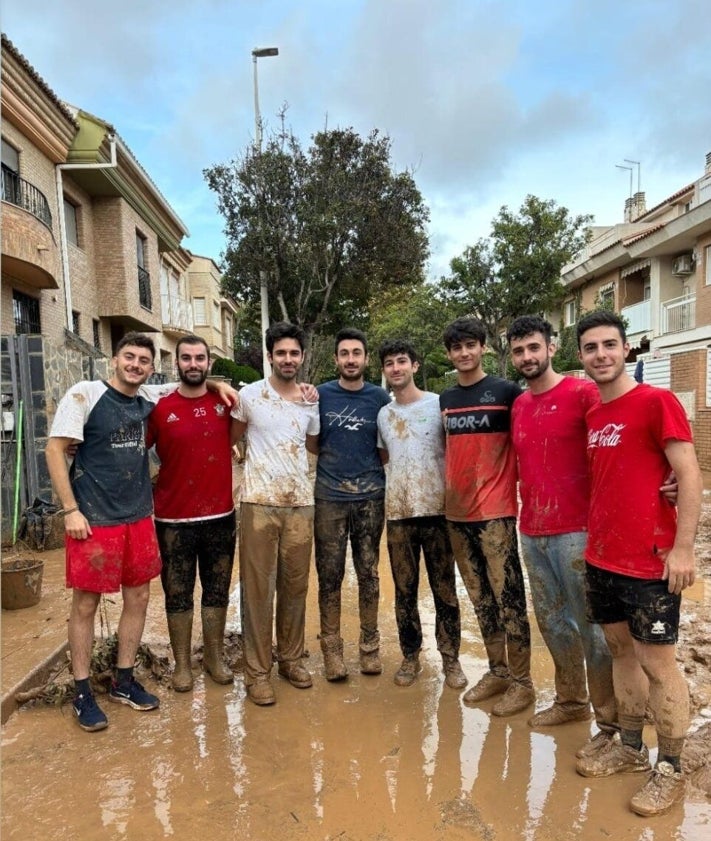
(334, 523)
(486, 553)
(204, 545)
(556, 574)
(274, 558)
(406, 538)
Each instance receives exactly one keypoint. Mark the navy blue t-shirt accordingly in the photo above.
(349, 466)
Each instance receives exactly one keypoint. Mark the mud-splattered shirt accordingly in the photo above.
(413, 435)
(276, 468)
(349, 466)
(480, 462)
(109, 474)
(630, 521)
(192, 439)
(550, 439)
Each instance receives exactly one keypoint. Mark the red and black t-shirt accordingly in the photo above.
(480, 462)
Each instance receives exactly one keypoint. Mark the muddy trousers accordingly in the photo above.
(486, 553)
(406, 539)
(185, 548)
(274, 557)
(556, 574)
(334, 524)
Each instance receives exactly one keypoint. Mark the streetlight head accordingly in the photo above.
(263, 52)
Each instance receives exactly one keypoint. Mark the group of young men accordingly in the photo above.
(607, 554)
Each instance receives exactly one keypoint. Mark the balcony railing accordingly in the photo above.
(176, 312)
(144, 289)
(679, 314)
(21, 193)
(639, 317)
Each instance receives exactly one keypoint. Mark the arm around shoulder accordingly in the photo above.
(680, 564)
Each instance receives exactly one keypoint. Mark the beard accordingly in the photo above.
(192, 377)
(535, 373)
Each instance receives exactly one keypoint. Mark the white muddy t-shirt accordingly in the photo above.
(413, 435)
(276, 468)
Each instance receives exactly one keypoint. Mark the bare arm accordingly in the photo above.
(75, 523)
(679, 563)
(228, 395)
(312, 444)
(237, 430)
(384, 455)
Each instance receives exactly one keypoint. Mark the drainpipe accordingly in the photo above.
(62, 229)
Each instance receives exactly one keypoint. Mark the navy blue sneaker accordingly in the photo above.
(134, 695)
(89, 714)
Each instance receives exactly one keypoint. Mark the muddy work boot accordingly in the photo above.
(408, 671)
(615, 758)
(661, 791)
(370, 656)
(487, 687)
(560, 714)
(333, 663)
(180, 631)
(516, 698)
(454, 677)
(213, 633)
(261, 692)
(296, 673)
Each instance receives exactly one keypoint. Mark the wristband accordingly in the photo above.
(66, 511)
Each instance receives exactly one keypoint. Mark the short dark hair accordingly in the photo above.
(283, 330)
(396, 347)
(525, 325)
(191, 340)
(351, 333)
(466, 327)
(136, 340)
(601, 318)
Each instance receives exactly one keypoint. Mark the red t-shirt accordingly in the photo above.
(630, 521)
(480, 463)
(550, 438)
(192, 438)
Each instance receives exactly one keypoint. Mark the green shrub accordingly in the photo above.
(235, 373)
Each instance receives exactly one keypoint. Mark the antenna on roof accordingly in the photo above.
(639, 172)
(631, 170)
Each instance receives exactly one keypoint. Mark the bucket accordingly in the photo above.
(21, 583)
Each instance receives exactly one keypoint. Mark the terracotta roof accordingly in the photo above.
(642, 234)
(668, 200)
(11, 48)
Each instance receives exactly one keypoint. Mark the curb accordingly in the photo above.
(35, 677)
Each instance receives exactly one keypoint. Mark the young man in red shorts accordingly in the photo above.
(108, 504)
(640, 556)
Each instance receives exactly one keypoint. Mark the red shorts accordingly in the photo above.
(113, 557)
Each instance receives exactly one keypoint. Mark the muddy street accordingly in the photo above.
(354, 761)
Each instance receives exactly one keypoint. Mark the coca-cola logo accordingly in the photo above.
(609, 436)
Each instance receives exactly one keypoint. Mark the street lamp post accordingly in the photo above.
(262, 52)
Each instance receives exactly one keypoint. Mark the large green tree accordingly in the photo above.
(516, 271)
(327, 226)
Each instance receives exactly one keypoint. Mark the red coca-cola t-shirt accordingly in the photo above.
(629, 521)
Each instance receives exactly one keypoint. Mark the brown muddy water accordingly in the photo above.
(354, 761)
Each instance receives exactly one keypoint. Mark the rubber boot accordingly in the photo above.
(180, 630)
(370, 655)
(213, 633)
(332, 649)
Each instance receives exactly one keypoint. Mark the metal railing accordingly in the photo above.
(678, 314)
(21, 193)
(144, 289)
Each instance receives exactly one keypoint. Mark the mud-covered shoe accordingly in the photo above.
(133, 695)
(370, 663)
(487, 687)
(594, 745)
(558, 714)
(516, 698)
(90, 716)
(661, 791)
(408, 671)
(454, 677)
(615, 758)
(333, 664)
(261, 693)
(296, 673)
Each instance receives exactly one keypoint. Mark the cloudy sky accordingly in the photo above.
(485, 101)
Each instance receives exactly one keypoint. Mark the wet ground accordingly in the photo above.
(359, 760)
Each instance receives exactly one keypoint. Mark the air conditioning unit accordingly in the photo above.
(683, 265)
